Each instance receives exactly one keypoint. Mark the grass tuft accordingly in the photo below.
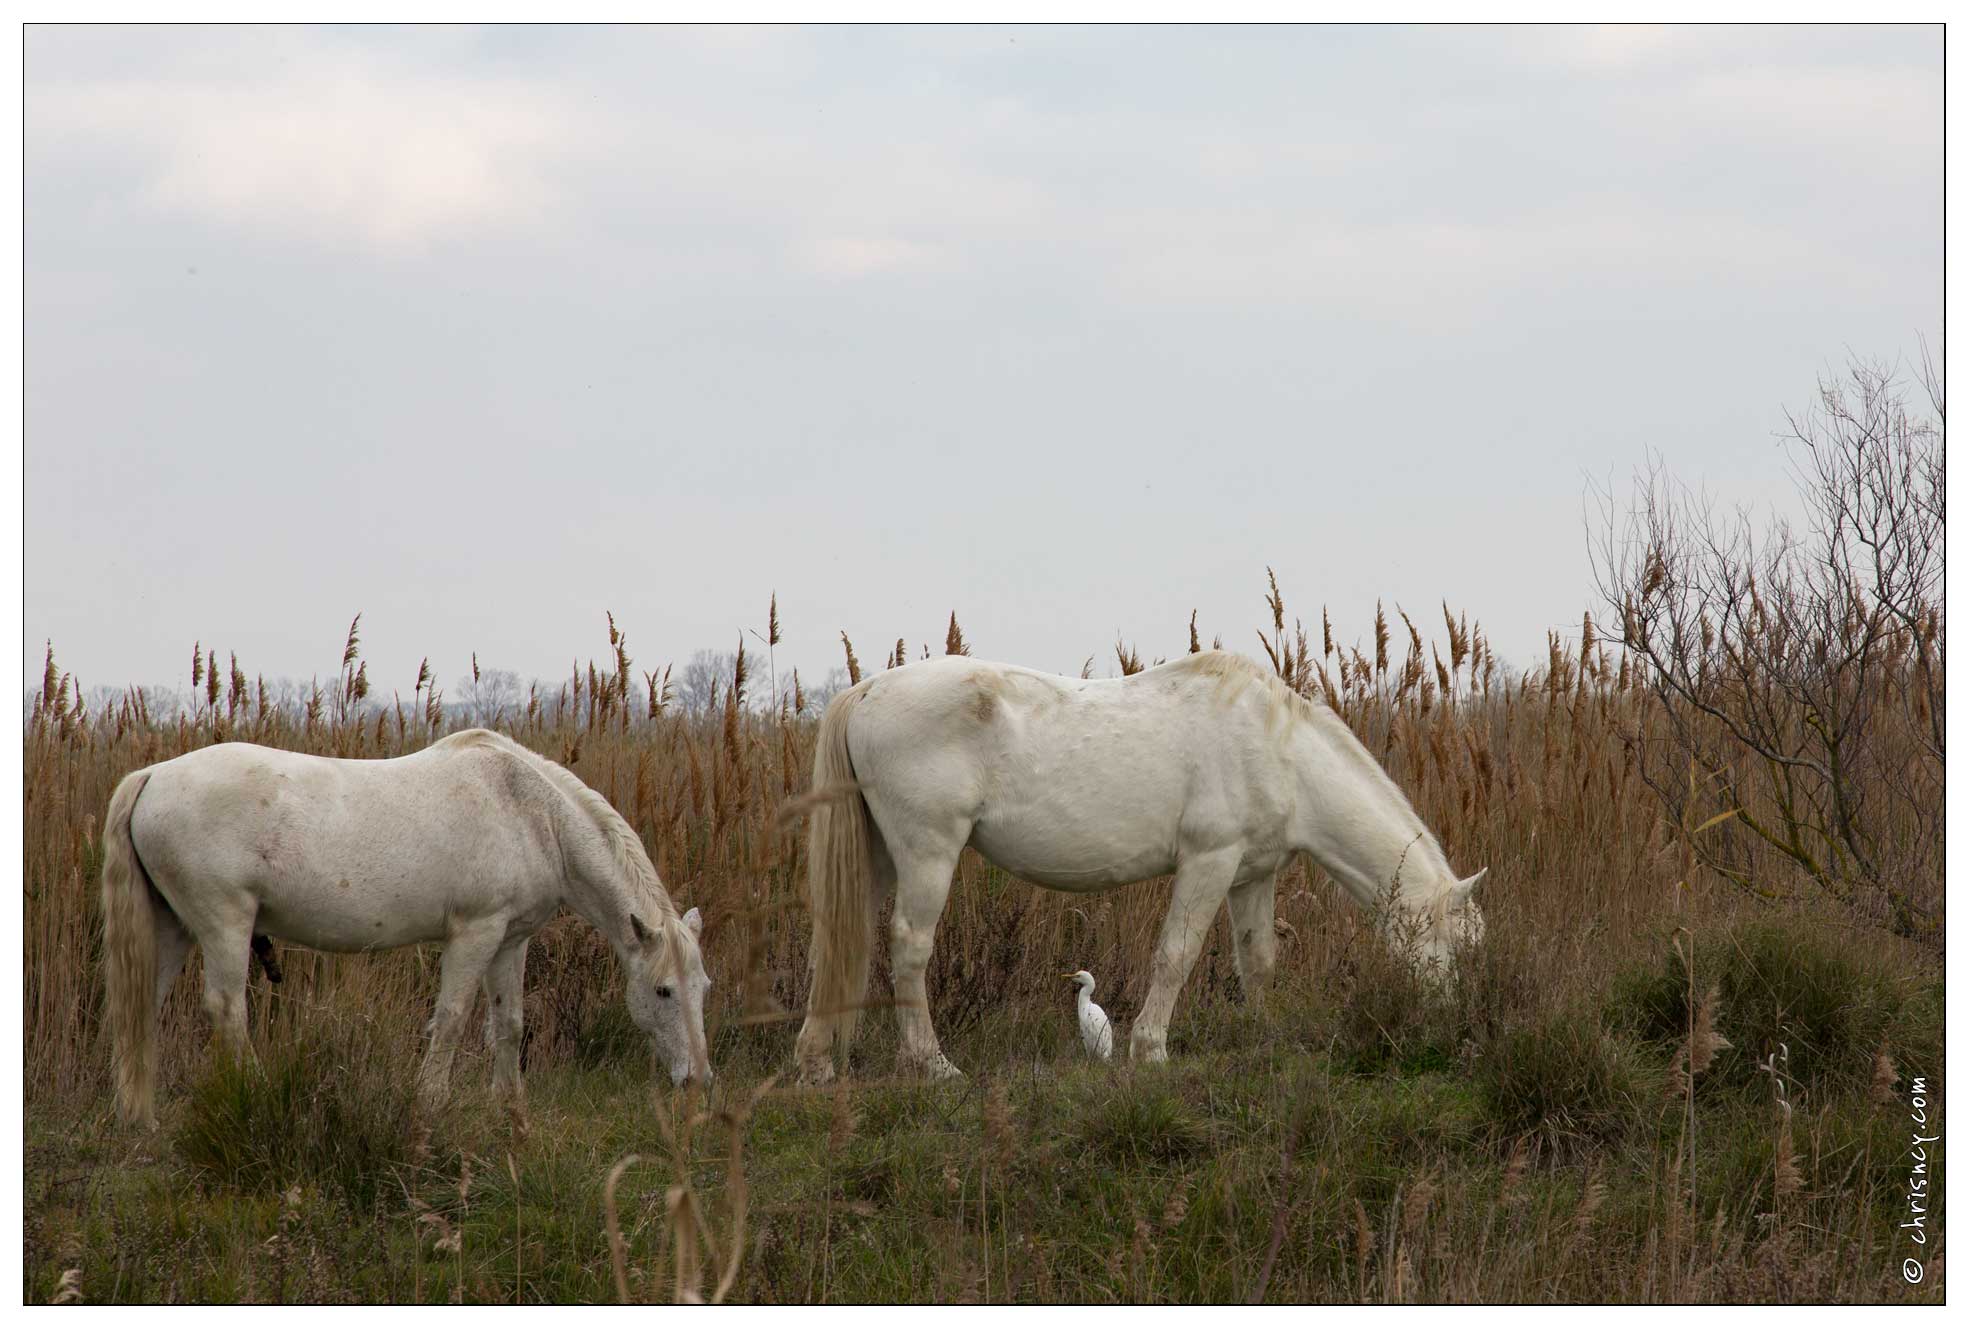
(1775, 984)
(1144, 1126)
(322, 1109)
(1568, 1083)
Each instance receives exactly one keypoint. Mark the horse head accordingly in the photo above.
(667, 990)
(1453, 918)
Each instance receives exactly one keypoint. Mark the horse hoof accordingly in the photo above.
(938, 1069)
(815, 1074)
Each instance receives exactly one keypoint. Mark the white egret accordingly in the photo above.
(1096, 1034)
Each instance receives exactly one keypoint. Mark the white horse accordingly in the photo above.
(474, 842)
(1209, 767)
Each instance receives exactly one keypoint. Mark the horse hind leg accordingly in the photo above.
(1256, 949)
(505, 1022)
(814, 1050)
(173, 947)
(922, 886)
(173, 942)
(226, 959)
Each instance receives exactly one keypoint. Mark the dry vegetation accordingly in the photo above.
(1678, 1068)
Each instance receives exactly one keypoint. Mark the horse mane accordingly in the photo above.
(1315, 712)
(1236, 668)
(631, 859)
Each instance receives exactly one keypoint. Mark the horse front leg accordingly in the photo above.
(505, 1022)
(466, 957)
(1252, 903)
(1201, 883)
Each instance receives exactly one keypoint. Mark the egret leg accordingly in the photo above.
(1251, 905)
(466, 956)
(1201, 883)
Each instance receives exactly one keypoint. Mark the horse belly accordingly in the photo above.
(351, 881)
(1050, 848)
(349, 910)
(1080, 802)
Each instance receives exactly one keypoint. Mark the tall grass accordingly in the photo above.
(1564, 1025)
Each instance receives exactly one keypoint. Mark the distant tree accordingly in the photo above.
(289, 696)
(819, 694)
(704, 680)
(102, 698)
(492, 698)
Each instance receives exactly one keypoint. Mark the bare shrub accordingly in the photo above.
(1798, 671)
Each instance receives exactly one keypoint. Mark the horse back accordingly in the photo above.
(1198, 711)
(349, 854)
(1077, 782)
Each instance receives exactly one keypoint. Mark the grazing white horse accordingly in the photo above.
(474, 842)
(1209, 767)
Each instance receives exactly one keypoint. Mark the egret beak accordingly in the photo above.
(1066, 975)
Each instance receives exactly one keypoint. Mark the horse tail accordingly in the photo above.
(130, 958)
(840, 872)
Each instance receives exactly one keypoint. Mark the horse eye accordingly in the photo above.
(664, 992)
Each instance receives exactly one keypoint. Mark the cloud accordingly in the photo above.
(742, 151)
(1608, 46)
(335, 143)
(792, 283)
(841, 255)
(1822, 108)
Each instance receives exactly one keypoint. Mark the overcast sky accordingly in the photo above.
(484, 332)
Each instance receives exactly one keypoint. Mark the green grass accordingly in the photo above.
(1784, 991)
(321, 1110)
(1390, 1178)
(1571, 1085)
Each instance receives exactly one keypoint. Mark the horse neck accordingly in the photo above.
(1355, 822)
(605, 890)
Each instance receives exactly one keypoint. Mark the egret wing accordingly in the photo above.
(1097, 1033)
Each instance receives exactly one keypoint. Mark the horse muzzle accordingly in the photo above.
(682, 1077)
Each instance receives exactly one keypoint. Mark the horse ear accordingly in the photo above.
(1464, 889)
(694, 921)
(643, 935)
